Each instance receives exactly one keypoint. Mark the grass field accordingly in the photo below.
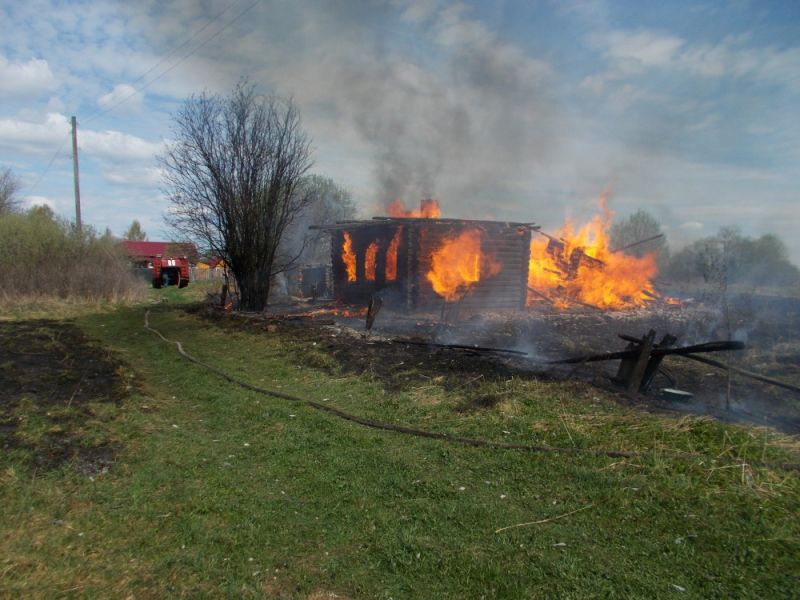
(217, 491)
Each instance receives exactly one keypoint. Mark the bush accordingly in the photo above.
(42, 256)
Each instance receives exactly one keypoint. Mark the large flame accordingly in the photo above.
(391, 256)
(458, 264)
(579, 265)
(349, 257)
(428, 209)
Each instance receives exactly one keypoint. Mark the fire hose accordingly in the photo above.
(445, 437)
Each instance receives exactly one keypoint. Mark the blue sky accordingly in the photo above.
(508, 110)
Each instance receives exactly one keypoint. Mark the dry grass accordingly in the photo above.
(45, 306)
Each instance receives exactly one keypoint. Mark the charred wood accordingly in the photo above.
(720, 346)
(744, 372)
(459, 347)
(639, 243)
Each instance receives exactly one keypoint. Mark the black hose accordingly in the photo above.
(475, 442)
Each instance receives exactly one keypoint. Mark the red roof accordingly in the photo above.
(142, 250)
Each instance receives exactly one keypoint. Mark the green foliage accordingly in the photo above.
(730, 257)
(135, 232)
(328, 202)
(43, 256)
(639, 226)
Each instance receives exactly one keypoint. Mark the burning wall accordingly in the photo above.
(421, 261)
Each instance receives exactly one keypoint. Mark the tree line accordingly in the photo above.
(237, 176)
(728, 257)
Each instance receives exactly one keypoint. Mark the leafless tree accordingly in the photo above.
(233, 176)
(9, 188)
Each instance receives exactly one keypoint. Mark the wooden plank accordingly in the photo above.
(635, 379)
(750, 374)
(655, 361)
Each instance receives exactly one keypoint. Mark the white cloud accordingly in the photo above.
(34, 137)
(645, 48)
(691, 226)
(25, 79)
(118, 147)
(43, 137)
(31, 201)
(123, 99)
(416, 11)
(146, 177)
(631, 53)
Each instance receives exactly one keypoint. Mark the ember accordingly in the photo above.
(349, 257)
(370, 258)
(391, 256)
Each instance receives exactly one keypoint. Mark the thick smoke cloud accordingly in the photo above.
(415, 98)
(437, 103)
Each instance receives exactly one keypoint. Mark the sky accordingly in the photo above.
(512, 110)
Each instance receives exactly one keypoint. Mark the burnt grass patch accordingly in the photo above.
(56, 385)
(395, 365)
(769, 326)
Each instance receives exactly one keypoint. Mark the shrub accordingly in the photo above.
(43, 256)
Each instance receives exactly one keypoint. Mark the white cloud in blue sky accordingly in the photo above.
(513, 110)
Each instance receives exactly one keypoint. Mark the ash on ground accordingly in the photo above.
(769, 326)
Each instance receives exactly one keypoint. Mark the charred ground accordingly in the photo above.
(770, 327)
(57, 386)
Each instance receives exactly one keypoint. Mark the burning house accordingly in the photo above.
(419, 260)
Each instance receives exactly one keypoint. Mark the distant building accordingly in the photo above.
(208, 268)
(143, 253)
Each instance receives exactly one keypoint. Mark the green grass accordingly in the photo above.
(221, 492)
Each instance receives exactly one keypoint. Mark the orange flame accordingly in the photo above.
(458, 264)
(579, 265)
(370, 259)
(349, 257)
(391, 256)
(428, 209)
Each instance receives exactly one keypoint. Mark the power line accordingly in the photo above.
(49, 164)
(153, 68)
(170, 54)
(174, 65)
(184, 44)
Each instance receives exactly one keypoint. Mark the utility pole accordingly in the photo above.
(75, 173)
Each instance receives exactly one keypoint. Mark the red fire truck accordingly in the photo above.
(170, 271)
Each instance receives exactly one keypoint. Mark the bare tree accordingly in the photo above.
(9, 188)
(232, 174)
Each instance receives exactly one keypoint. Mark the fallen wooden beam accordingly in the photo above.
(459, 347)
(697, 348)
(639, 243)
(750, 374)
(640, 363)
(541, 295)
